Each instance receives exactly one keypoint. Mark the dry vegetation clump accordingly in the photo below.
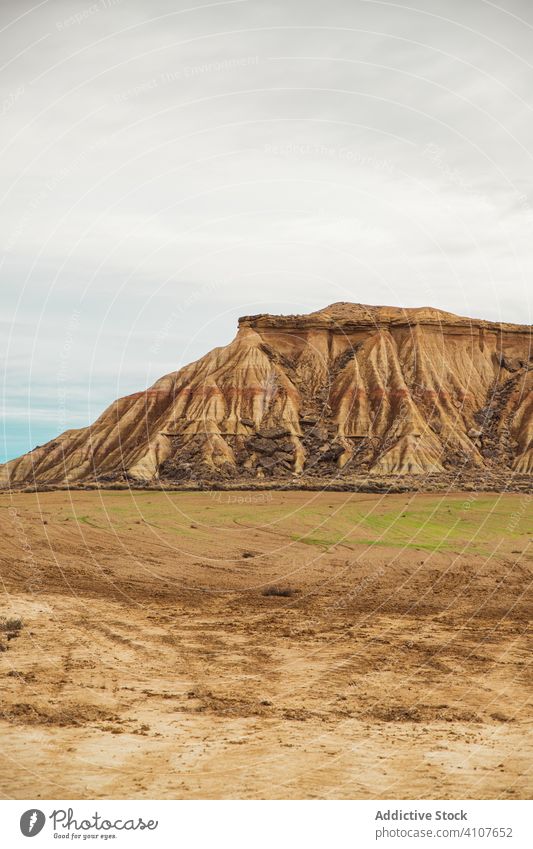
(9, 628)
(281, 592)
(12, 626)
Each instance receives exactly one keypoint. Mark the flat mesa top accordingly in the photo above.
(343, 314)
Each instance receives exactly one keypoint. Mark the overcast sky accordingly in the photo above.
(167, 167)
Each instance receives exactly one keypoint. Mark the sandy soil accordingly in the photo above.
(157, 661)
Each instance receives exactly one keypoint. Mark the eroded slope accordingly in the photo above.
(348, 390)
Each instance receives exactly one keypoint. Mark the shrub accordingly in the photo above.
(281, 592)
(10, 626)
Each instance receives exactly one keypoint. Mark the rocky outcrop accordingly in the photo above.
(349, 390)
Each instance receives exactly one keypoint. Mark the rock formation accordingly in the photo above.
(346, 391)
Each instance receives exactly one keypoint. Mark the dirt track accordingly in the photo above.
(389, 661)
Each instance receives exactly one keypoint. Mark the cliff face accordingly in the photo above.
(348, 390)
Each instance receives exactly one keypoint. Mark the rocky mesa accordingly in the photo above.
(347, 391)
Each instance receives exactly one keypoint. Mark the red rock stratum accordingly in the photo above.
(349, 390)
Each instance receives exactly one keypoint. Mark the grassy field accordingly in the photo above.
(459, 523)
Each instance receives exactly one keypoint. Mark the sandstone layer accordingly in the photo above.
(349, 390)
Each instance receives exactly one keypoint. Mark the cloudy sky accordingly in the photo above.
(167, 167)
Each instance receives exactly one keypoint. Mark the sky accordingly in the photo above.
(167, 167)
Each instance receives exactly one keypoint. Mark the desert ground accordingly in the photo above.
(265, 645)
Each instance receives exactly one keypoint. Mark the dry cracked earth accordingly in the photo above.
(265, 645)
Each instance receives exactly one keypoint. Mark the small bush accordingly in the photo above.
(281, 592)
(10, 626)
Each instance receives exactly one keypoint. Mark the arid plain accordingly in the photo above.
(265, 645)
